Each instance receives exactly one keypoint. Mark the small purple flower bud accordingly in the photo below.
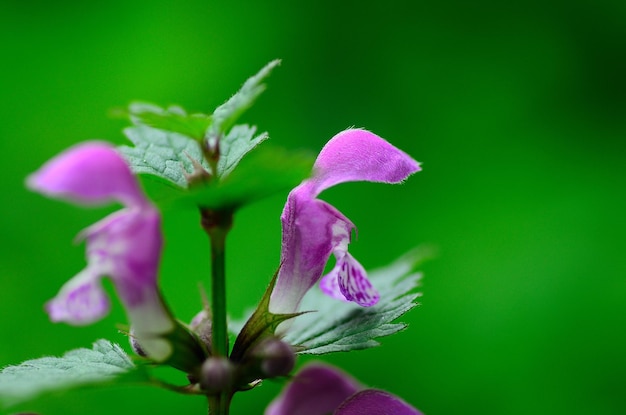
(277, 357)
(217, 374)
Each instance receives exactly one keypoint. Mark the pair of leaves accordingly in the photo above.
(104, 363)
(168, 153)
(167, 145)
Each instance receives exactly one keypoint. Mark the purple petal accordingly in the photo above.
(131, 241)
(315, 390)
(348, 280)
(81, 300)
(125, 246)
(89, 173)
(375, 402)
(359, 155)
(329, 284)
(312, 229)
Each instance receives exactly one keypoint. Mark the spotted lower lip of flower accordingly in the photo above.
(313, 229)
(125, 246)
(320, 389)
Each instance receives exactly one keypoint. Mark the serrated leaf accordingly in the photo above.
(237, 143)
(261, 324)
(81, 367)
(342, 326)
(225, 115)
(161, 153)
(264, 173)
(164, 137)
(173, 119)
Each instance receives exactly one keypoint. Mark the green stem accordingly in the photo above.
(219, 404)
(219, 337)
(217, 224)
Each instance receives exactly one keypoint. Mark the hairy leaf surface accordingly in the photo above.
(335, 326)
(103, 363)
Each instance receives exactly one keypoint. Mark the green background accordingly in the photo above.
(516, 110)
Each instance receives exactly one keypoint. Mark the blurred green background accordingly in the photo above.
(517, 111)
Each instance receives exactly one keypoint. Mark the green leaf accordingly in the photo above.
(259, 325)
(104, 363)
(165, 139)
(173, 119)
(239, 141)
(341, 326)
(225, 115)
(263, 173)
(168, 155)
(164, 154)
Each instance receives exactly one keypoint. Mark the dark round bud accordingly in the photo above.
(217, 374)
(276, 357)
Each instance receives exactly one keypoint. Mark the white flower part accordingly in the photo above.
(329, 284)
(155, 323)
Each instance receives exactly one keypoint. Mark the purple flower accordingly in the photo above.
(319, 390)
(125, 246)
(313, 229)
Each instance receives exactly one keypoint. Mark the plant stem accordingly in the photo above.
(219, 337)
(217, 224)
(219, 404)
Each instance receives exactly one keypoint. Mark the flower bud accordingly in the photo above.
(201, 325)
(217, 374)
(276, 357)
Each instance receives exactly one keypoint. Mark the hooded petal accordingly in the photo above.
(316, 390)
(375, 402)
(359, 155)
(89, 173)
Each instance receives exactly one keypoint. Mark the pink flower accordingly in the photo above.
(319, 390)
(125, 246)
(313, 229)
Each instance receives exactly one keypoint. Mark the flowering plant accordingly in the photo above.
(207, 162)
